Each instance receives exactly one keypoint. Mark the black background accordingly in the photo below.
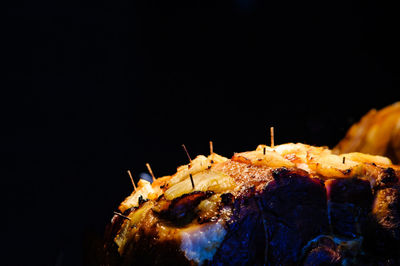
(104, 86)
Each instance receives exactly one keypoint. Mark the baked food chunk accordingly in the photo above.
(290, 204)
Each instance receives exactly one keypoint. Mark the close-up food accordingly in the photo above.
(242, 132)
(287, 204)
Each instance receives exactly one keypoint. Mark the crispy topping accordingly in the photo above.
(181, 208)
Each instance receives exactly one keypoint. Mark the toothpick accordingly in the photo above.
(184, 147)
(190, 164)
(191, 180)
(151, 172)
(211, 147)
(344, 160)
(272, 136)
(123, 216)
(133, 182)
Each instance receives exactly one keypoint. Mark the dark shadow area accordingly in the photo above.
(101, 87)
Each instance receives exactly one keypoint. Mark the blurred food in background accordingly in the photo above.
(377, 132)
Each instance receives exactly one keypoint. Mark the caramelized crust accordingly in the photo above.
(267, 206)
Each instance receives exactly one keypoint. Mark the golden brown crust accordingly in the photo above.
(377, 132)
(178, 214)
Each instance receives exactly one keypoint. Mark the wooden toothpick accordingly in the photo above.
(211, 147)
(191, 180)
(123, 216)
(133, 182)
(272, 136)
(151, 172)
(184, 147)
(190, 164)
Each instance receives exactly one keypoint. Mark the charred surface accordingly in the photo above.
(383, 236)
(349, 201)
(181, 211)
(324, 251)
(245, 242)
(295, 211)
(227, 198)
(386, 177)
(354, 191)
(272, 226)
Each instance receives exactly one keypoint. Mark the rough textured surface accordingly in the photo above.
(298, 214)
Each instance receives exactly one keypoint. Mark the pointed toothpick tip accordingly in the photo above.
(133, 182)
(121, 215)
(150, 171)
(187, 153)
